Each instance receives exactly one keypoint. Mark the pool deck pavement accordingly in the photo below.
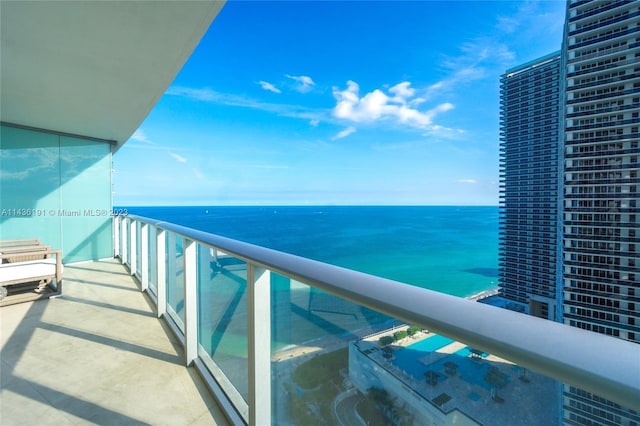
(524, 402)
(97, 355)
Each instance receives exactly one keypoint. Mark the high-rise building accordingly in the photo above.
(601, 53)
(529, 186)
(569, 135)
(581, 255)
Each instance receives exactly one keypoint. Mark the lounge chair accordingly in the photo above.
(28, 271)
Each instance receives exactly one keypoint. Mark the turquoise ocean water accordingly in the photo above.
(449, 249)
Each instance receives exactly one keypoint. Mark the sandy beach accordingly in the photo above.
(331, 343)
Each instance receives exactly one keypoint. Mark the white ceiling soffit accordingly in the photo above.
(93, 68)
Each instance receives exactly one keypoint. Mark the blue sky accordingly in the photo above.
(323, 103)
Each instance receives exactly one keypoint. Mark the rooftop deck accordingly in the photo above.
(97, 355)
(458, 380)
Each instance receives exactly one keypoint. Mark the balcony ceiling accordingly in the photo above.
(93, 68)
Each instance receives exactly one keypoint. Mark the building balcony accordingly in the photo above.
(97, 355)
(599, 111)
(276, 338)
(599, 26)
(621, 64)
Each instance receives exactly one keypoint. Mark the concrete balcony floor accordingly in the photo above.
(97, 355)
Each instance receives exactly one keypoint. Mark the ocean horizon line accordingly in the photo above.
(305, 205)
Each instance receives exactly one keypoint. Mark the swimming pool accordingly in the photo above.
(473, 372)
(431, 344)
(408, 358)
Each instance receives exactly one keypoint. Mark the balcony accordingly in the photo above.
(256, 324)
(96, 355)
(182, 327)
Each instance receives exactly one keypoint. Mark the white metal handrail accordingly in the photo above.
(606, 366)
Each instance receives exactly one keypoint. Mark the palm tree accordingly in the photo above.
(385, 403)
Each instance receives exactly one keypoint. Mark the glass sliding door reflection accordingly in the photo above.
(222, 320)
(30, 179)
(45, 179)
(85, 192)
(175, 278)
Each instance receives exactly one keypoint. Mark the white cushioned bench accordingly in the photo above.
(30, 265)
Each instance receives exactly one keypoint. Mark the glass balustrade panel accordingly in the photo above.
(222, 320)
(334, 362)
(175, 278)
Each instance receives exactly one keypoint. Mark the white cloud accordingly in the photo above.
(402, 91)
(314, 122)
(344, 133)
(178, 158)
(140, 136)
(527, 12)
(468, 181)
(197, 173)
(304, 82)
(268, 86)
(26, 163)
(489, 50)
(11, 175)
(208, 95)
(508, 24)
(377, 105)
(443, 132)
(477, 60)
(531, 22)
(462, 75)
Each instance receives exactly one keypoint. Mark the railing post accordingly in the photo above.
(259, 334)
(115, 220)
(161, 274)
(124, 240)
(133, 246)
(190, 300)
(144, 256)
